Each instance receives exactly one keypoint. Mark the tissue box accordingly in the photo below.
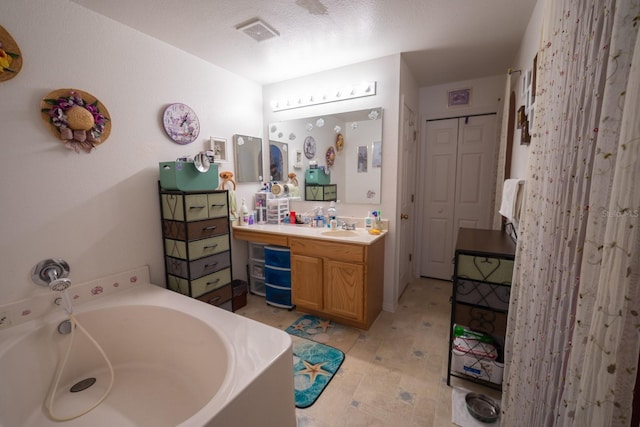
(184, 176)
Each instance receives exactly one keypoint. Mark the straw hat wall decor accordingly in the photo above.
(77, 118)
(10, 56)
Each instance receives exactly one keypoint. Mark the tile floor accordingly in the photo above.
(394, 374)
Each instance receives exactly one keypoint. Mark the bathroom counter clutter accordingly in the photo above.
(279, 234)
(335, 274)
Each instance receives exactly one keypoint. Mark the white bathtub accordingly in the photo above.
(177, 362)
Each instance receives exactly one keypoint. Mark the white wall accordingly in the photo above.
(100, 211)
(386, 72)
(524, 61)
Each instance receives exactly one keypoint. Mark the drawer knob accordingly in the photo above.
(197, 207)
(211, 246)
(211, 265)
(213, 282)
(213, 227)
(214, 300)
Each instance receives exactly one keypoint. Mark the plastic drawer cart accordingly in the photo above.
(277, 274)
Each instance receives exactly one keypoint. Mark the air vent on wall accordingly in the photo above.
(257, 30)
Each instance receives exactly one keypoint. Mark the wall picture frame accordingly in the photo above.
(220, 149)
(459, 97)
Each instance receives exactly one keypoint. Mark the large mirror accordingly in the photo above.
(248, 158)
(348, 145)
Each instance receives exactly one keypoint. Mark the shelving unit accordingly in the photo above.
(480, 302)
(197, 244)
(256, 269)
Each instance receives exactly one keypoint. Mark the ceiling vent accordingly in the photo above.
(257, 30)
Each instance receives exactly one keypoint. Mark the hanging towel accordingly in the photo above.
(233, 206)
(510, 190)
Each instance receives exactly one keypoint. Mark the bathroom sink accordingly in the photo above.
(340, 233)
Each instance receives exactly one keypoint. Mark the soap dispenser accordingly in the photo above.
(368, 221)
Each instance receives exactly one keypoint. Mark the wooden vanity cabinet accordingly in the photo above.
(339, 281)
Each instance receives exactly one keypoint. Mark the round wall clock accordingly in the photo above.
(181, 123)
(309, 147)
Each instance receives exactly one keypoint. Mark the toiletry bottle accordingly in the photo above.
(332, 211)
(368, 221)
(244, 214)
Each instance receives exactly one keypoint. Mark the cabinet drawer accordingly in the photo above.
(217, 297)
(194, 230)
(324, 249)
(197, 248)
(172, 207)
(210, 282)
(488, 295)
(488, 269)
(200, 267)
(280, 277)
(217, 205)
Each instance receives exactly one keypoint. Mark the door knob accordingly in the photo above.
(404, 216)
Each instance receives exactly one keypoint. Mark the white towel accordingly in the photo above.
(233, 206)
(510, 191)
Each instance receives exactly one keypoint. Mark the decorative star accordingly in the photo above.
(313, 370)
(325, 324)
(299, 327)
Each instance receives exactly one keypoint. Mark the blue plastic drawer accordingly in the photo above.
(277, 296)
(278, 276)
(276, 256)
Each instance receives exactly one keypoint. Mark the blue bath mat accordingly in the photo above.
(314, 365)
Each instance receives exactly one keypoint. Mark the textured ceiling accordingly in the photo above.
(442, 40)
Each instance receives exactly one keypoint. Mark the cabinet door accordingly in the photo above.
(344, 289)
(306, 281)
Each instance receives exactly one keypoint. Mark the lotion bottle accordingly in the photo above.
(244, 214)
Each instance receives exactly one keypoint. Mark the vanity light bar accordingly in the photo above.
(358, 90)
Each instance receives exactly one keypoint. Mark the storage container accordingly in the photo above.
(476, 367)
(184, 176)
(317, 176)
(277, 256)
(321, 193)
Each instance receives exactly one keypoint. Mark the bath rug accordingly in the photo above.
(314, 365)
(324, 331)
(460, 415)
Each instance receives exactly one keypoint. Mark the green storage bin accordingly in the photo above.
(184, 176)
(317, 177)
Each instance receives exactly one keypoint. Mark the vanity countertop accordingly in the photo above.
(359, 236)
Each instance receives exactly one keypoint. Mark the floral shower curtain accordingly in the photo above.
(573, 333)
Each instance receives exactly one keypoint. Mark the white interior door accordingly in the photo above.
(460, 162)
(439, 197)
(408, 184)
(474, 178)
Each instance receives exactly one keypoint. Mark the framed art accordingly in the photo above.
(220, 150)
(458, 98)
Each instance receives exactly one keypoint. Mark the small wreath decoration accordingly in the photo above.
(10, 56)
(77, 118)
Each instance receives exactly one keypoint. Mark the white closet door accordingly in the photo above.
(439, 198)
(459, 185)
(475, 181)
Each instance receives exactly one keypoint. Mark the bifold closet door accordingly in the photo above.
(458, 191)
